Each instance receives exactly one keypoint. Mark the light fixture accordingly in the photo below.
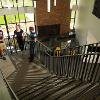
(34, 4)
(48, 5)
(55, 2)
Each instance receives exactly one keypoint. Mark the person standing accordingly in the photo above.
(33, 39)
(19, 33)
(2, 45)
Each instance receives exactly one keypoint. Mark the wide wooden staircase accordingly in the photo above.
(74, 76)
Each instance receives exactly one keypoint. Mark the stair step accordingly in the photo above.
(90, 94)
(54, 89)
(41, 82)
(71, 95)
(31, 85)
(62, 91)
(35, 89)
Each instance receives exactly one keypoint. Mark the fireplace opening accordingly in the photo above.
(48, 31)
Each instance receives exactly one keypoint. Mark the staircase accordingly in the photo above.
(57, 88)
(75, 76)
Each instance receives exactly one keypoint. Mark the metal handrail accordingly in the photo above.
(44, 45)
(83, 65)
(8, 86)
(73, 55)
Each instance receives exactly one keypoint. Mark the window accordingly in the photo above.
(11, 28)
(22, 17)
(7, 3)
(72, 14)
(2, 20)
(23, 26)
(10, 18)
(29, 16)
(73, 4)
(71, 23)
(28, 3)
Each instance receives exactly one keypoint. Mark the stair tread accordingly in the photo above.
(92, 93)
(35, 90)
(31, 88)
(57, 94)
(75, 91)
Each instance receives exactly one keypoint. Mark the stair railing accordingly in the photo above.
(81, 66)
(40, 51)
(11, 92)
(84, 66)
(89, 48)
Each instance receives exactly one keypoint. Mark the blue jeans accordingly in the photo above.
(32, 50)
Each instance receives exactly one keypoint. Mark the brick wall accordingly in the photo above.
(59, 14)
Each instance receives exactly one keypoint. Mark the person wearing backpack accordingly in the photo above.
(33, 39)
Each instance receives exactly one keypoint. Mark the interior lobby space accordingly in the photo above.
(49, 50)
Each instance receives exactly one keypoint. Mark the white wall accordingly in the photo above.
(87, 25)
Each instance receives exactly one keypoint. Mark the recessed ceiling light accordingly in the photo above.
(55, 2)
(48, 5)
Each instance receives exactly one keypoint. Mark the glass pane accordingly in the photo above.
(71, 23)
(2, 20)
(28, 24)
(28, 3)
(19, 4)
(78, 1)
(29, 16)
(22, 17)
(23, 26)
(72, 14)
(11, 28)
(15, 4)
(7, 3)
(0, 5)
(72, 2)
(10, 18)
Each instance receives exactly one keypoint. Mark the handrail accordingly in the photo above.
(9, 87)
(44, 45)
(73, 55)
(84, 64)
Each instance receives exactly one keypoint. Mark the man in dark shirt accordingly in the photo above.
(20, 37)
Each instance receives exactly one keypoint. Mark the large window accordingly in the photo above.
(73, 7)
(25, 20)
(16, 14)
